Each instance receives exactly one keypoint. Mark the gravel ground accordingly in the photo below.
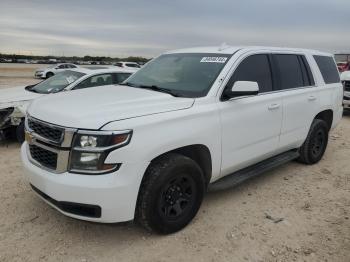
(293, 213)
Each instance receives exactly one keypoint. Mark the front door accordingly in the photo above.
(250, 125)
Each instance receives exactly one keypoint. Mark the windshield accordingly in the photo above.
(187, 75)
(57, 82)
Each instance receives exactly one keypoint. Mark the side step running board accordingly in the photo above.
(252, 171)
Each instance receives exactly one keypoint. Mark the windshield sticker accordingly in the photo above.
(214, 59)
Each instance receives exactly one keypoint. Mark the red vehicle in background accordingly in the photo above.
(343, 66)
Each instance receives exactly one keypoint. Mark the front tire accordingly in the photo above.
(49, 74)
(315, 144)
(170, 194)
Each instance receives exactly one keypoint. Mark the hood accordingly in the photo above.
(92, 108)
(345, 76)
(15, 95)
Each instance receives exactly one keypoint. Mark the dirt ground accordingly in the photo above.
(294, 213)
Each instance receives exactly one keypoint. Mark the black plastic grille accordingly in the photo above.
(46, 131)
(347, 86)
(44, 157)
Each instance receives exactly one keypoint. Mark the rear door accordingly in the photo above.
(300, 98)
(250, 125)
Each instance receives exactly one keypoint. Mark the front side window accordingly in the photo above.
(255, 68)
(121, 77)
(187, 74)
(98, 80)
(328, 69)
(57, 82)
(291, 75)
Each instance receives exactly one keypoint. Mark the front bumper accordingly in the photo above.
(115, 193)
(346, 100)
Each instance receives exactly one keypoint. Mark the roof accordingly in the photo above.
(225, 49)
(94, 71)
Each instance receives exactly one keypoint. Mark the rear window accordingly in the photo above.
(328, 69)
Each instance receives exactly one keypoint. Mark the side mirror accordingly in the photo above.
(242, 88)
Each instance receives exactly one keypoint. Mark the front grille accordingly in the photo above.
(347, 86)
(346, 98)
(54, 134)
(43, 157)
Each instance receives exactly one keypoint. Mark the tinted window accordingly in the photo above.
(98, 80)
(291, 75)
(255, 68)
(121, 77)
(328, 69)
(307, 75)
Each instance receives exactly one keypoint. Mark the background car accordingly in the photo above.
(343, 66)
(14, 101)
(127, 64)
(54, 69)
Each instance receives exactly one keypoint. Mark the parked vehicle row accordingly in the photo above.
(189, 121)
(14, 101)
(54, 69)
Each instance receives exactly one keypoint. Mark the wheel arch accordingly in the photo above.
(327, 116)
(197, 152)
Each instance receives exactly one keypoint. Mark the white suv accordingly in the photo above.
(189, 121)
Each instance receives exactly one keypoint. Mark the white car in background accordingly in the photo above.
(14, 101)
(53, 69)
(127, 64)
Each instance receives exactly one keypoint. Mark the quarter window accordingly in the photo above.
(255, 68)
(328, 69)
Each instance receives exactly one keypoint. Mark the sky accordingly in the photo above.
(149, 27)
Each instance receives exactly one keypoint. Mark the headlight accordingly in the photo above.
(91, 148)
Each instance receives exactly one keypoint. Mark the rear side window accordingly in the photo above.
(121, 77)
(328, 69)
(97, 80)
(255, 68)
(290, 72)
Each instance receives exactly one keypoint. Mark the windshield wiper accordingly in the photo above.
(160, 89)
(127, 84)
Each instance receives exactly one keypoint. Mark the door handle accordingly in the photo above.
(274, 106)
(311, 98)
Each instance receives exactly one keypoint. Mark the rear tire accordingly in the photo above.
(20, 132)
(49, 74)
(170, 195)
(315, 144)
